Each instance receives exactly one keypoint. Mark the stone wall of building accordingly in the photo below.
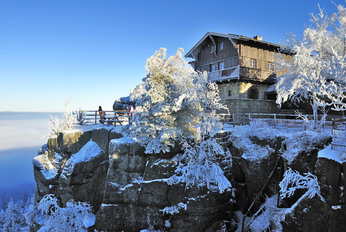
(236, 96)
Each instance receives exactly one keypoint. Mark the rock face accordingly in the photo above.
(315, 215)
(127, 188)
(130, 190)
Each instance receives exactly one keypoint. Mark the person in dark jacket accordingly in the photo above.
(102, 115)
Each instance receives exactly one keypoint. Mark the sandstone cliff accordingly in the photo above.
(129, 190)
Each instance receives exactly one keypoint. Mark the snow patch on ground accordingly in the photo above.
(240, 136)
(90, 127)
(124, 140)
(302, 141)
(329, 153)
(89, 151)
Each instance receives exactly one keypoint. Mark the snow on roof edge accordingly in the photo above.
(227, 35)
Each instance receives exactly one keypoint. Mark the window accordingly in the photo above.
(252, 93)
(212, 68)
(221, 65)
(229, 93)
(221, 45)
(212, 48)
(252, 63)
(271, 66)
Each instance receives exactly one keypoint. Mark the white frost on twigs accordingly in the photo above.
(293, 180)
(316, 73)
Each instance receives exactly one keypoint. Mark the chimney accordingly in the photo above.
(257, 37)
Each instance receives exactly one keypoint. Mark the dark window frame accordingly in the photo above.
(253, 93)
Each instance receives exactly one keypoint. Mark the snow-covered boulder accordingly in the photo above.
(329, 174)
(301, 149)
(68, 142)
(51, 161)
(127, 188)
(255, 150)
(46, 171)
(138, 190)
(315, 215)
(131, 190)
(83, 175)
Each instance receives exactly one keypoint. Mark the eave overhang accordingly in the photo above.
(192, 53)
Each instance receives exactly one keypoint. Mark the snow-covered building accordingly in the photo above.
(243, 67)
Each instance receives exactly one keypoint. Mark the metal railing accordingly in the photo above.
(286, 122)
(289, 122)
(224, 74)
(109, 117)
(338, 128)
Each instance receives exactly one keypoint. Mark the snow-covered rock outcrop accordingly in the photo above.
(130, 190)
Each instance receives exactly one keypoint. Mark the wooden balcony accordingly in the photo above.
(225, 74)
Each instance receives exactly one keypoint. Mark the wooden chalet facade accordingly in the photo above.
(243, 67)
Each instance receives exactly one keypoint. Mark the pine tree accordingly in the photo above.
(171, 101)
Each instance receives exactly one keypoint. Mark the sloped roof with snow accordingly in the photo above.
(231, 37)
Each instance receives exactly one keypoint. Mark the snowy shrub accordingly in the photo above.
(316, 73)
(267, 218)
(293, 180)
(199, 167)
(76, 216)
(310, 124)
(68, 122)
(80, 117)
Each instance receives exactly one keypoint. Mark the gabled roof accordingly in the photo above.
(230, 37)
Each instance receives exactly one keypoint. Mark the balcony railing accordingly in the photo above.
(225, 74)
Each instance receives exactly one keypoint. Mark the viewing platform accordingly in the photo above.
(109, 117)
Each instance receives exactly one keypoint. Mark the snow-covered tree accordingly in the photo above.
(317, 71)
(76, 216)
(12, 218)
(172, 101)
(176, 105)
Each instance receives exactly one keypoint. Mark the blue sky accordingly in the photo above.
(92, 52)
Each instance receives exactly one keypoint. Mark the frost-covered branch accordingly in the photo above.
(200, 167)
(293, 180)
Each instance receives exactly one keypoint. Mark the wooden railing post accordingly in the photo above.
(274, 120)
(233, 119)
(115, 120)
